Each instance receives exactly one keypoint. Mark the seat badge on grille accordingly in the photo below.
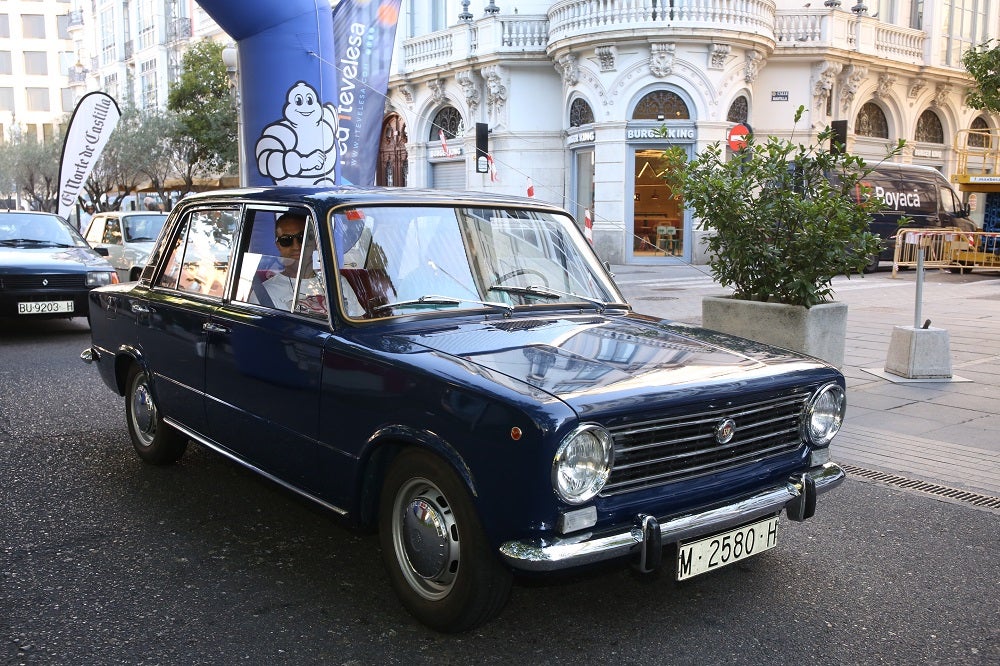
(45, 282)
(725, 430)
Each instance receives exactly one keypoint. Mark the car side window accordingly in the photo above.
(280, 252)
(199, 258)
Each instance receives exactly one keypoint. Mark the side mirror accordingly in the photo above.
(103, 251)
(966, 210)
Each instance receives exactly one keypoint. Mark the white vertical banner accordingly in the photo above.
(94, 118)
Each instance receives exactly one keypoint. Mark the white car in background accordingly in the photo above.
(126, 238)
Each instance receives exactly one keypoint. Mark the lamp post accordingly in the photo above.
(230, 57)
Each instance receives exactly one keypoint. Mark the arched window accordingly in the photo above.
(979, 137)
(449, 120)
(871, 122)
(739, 110)
(580, 113)
(661, 105)
(929, 128)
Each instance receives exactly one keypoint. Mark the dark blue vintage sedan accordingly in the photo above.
(46, 268)
(461, 372)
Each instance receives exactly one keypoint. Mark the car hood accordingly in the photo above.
(620, 362)
(51, 259)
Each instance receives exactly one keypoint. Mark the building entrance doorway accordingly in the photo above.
(657, 214)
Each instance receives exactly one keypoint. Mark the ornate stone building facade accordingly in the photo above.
(575, 94)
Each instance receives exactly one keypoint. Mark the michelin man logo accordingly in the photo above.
(301, 148)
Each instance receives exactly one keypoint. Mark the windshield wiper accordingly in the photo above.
(26, 241)
(549, 292)
(431, 299)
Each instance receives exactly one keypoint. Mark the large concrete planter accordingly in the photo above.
(819, 331)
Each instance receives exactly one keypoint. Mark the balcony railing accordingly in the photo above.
(576, 18)
(518, 34)
(832, 29)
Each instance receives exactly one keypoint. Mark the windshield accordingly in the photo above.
(402, 260)
(139, 228)
(34, 230)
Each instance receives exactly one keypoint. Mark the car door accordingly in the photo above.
(176, 318)
(264, 364)
(105, 233)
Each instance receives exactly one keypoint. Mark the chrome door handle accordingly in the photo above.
(139, 308)
(209, 327)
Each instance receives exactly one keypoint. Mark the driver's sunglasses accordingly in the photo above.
(286, 240)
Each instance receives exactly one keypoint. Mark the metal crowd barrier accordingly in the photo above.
(953, 249)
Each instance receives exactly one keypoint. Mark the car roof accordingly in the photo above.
(347, 195)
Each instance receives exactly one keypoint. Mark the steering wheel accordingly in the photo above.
(523, 271)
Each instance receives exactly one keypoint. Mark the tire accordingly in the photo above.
(456, 581)
(153, 440)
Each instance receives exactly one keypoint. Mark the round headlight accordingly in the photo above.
(582, 463)
(824, 415)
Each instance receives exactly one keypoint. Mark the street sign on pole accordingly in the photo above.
(737, 136)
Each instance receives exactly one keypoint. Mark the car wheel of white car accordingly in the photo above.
(154, 441)
(439, 561)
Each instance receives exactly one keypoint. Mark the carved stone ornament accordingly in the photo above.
(853, 76)
(941, 95)
(606, 57)
(406, 90)
(438, 94)
(496, 91)
(717, 54)
(916, 87)
(661, 59)
(824, 75)
(754, 60)
(469, 82)
(569, 69)
(885, 83)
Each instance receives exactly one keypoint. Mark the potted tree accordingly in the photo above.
(783, 219)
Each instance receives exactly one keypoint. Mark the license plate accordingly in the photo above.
(44, 307)
(717, 551)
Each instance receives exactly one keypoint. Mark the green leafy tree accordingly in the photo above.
(784, 218)
(983, 64)
(32, 169)
(202, 100)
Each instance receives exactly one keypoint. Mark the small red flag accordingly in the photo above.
(531, 188)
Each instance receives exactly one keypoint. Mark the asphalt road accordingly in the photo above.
(106, 560)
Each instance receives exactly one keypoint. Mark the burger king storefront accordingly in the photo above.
(657, 226)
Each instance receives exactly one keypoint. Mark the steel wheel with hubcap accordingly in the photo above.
(439, 561)
(154, 441)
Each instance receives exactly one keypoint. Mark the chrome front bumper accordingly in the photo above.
(645, 539)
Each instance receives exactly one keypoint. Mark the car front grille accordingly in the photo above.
(44, 281)
(659, 451)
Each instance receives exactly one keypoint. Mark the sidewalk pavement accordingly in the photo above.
(941, 437)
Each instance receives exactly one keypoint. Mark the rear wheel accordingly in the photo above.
(433, 546)
(155, 441)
